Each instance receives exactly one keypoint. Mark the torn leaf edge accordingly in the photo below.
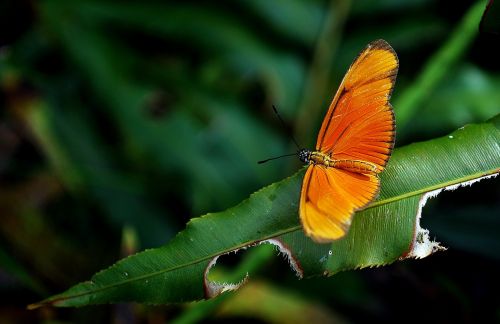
(422, 246)
(213, 288)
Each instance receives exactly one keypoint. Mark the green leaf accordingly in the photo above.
(438, 66)
(81, 161)
(169, 145)
(467, 94)
(382, 233)
(298, 20)
(223, 36)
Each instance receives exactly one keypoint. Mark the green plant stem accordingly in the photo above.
(436, 68)
(319, 73)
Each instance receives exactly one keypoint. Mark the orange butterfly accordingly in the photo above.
(353, 146)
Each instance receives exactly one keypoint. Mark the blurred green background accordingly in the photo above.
(120, 121)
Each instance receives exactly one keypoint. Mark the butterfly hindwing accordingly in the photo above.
(329, 197)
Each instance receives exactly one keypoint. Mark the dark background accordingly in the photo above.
(121, 121)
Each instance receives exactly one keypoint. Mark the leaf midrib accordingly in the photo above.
(278, 233)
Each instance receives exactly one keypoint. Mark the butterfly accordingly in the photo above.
(353, 146)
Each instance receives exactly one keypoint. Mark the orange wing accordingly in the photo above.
(329, 197)
(359, 126)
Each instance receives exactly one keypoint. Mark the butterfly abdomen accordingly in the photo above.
(357, 166)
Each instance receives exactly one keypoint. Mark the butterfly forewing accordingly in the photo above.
(358, 126)
(360, 122)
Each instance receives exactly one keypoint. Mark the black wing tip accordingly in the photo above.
(380, 44)
(383, 45)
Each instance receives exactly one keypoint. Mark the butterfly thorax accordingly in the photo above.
(320, 158)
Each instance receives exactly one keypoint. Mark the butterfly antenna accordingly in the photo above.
(285, 128)
(274, 158)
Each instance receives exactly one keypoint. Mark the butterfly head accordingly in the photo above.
(304, 155)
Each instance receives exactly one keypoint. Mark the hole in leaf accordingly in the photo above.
(229, 271)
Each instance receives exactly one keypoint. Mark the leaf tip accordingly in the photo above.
(34, 306)
(44, 303)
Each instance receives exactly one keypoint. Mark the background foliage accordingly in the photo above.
(120, 122)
